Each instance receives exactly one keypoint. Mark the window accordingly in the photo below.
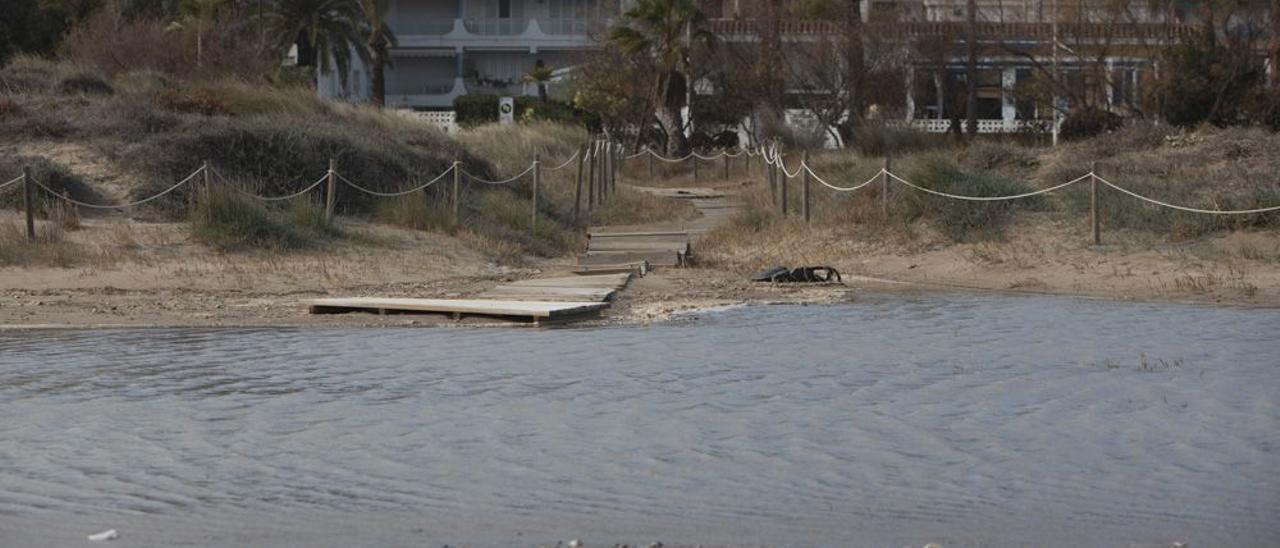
(504, 9)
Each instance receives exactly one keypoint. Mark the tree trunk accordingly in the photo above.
(971, 71)
(668, 114)
(1275, 45)
(854, 69)
(378, 76)
(769, 101)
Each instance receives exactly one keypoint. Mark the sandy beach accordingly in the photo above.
(148, 274)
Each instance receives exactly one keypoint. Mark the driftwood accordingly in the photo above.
(804, 274)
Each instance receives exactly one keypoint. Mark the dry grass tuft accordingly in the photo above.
(50, 247)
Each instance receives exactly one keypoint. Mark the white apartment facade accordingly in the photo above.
(448, 48)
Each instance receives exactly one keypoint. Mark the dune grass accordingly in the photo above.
(50, 247)
(229, 221)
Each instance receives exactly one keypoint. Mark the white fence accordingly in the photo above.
(446, 120)
(931, 125)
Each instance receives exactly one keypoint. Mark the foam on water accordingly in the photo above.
(968, 419)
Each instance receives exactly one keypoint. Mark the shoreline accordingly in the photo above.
(647, 300)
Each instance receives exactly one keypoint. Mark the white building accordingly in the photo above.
(449, 48)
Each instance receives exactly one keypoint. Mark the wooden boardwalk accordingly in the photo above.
(458, 308)
(597, 288)
(659, 244)
(613, 256)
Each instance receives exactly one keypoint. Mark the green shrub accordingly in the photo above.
(196, 101)
(532, 109)
(503, 215)
(963, 220)
(475, 109)
(280, 158)
(229, 221)
(29, 74)
(307, 214)
(1084, 123)
(1204, 81)
(988, 155)
(85, 84)
(1120, 211)
(478, 109)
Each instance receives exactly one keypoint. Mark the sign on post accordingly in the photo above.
(506, 110)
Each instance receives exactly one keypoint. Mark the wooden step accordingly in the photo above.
(654, 258)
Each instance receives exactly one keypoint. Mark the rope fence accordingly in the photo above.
(13, 181)
(777, 173)
(598, 164)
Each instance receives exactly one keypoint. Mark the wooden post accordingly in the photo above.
(782, 181)
(605, 160)
(331, 189)
(537, 174)
(615, 163)
(651, 160)
(806, 187)
(601, 188)
(1095, 216)
(695, 167)
(726, 166)
(577, 194)
(457, 188)
(29, 202)
(204, 175)
(591, 172)
(884, 186)
(771, 171)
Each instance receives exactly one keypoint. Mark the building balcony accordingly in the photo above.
(441, 93)
(431, 94)
(480, 33)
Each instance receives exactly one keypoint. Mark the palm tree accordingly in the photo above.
(854, 64)
(330, 29)
(665, 30)
(380, 40)
(770, 73)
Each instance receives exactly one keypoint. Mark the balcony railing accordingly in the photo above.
(555, 28)
(434, 27)
(497, 27)
(568, 26)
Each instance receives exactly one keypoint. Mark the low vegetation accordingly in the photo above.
(230, 221)
(1209, 168)
(148, 130)
(49, 248)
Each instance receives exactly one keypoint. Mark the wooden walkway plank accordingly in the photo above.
(655, 258)
(533, 310)
(600, 280)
